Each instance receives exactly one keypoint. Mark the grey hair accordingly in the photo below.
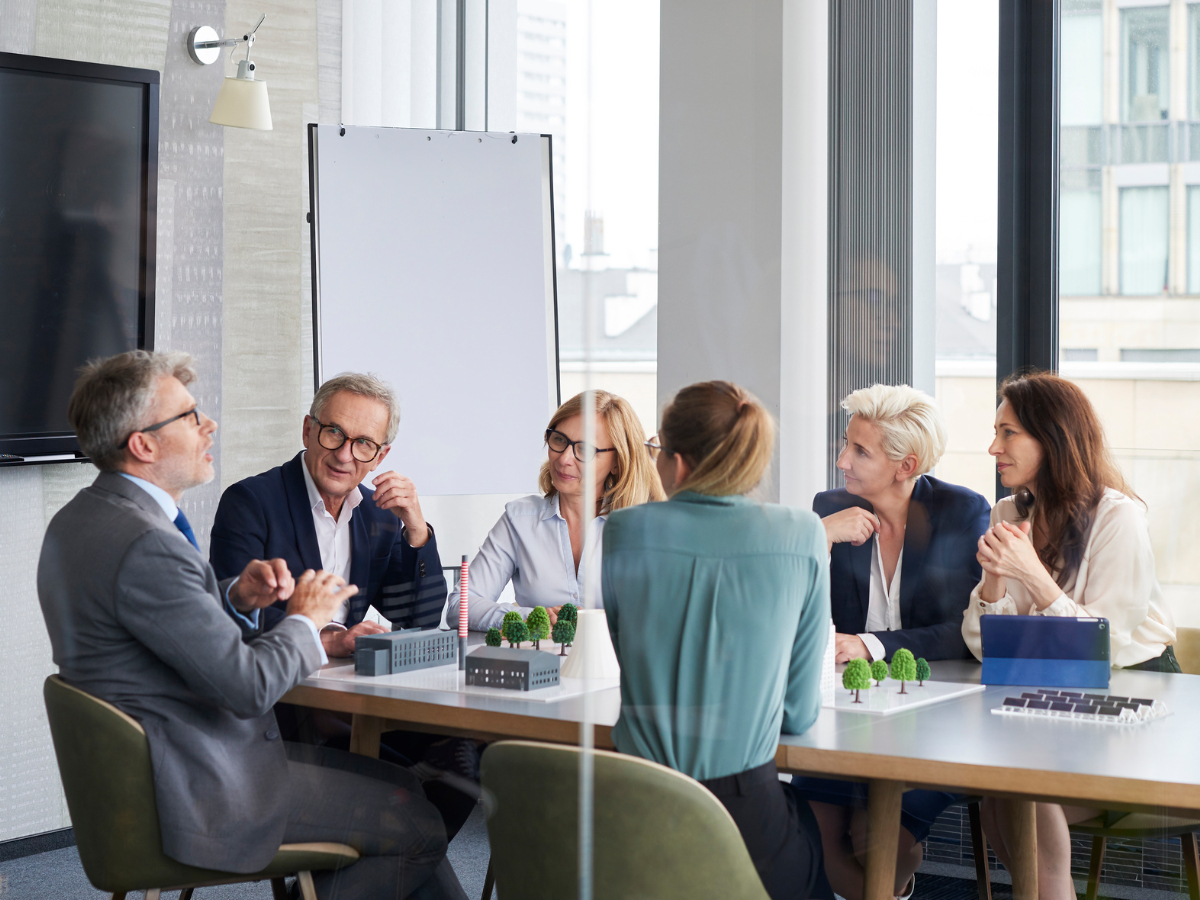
(113, 397)
(367, 385)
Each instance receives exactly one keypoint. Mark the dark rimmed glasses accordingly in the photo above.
(584, 452)
(331, 437)
(654, 445)
(194, 412)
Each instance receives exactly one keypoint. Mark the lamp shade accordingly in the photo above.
(242, 103)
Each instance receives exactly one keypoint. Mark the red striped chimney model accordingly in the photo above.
(462, 616)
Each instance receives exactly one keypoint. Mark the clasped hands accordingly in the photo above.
(1006, 551)
(315, 594)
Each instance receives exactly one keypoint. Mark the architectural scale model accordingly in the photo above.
(517, 670)
(1105, 708)
(404, 651)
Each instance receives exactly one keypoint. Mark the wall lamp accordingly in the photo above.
(242, 102)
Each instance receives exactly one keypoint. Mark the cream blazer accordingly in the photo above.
(1115, 581)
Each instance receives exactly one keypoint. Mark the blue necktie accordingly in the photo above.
(185, 526)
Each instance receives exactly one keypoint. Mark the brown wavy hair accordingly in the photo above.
(636, 480)
(1076, 466)
(724, 433)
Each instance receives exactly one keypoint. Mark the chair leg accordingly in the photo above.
(1097, 862)
(119, 895)
(278, 889)
(983, 876)
(1191, 864)
(489, 881)
(186, 894)
(307, 890)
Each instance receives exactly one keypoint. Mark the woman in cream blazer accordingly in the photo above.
(1072, 540)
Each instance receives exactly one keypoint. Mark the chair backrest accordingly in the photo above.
(104, 761)
(656, 833)
(1187, 649)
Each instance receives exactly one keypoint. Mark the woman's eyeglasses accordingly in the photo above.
(584, 452)
(654, 445)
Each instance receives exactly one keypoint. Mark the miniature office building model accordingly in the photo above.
(404, 651)
(517, 670)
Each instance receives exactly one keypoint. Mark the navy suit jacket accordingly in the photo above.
(269, 515)
(937, 574)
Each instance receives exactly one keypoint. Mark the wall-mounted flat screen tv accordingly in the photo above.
(78, 177)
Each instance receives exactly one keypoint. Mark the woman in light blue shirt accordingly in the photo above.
(539, 542)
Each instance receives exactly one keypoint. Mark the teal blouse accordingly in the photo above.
(719, 612)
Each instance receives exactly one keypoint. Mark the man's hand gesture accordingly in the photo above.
(261, 583)
(395, 492)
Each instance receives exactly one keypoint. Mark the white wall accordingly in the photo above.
(743, 212)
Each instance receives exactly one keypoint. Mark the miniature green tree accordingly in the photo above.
(904, 667)
(563, 634)
(857, 677)
(879, 671)
(923, 672)
(517, 633)
(569, 612)
(493, 638)
(510, 619)
(538, 623)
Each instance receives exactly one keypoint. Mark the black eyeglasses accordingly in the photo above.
(584, 452)
(331, 438)
(194, 412)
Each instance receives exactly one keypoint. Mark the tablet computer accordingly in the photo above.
(1047, 651)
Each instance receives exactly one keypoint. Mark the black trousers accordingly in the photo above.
(780, 832)
(378, 809)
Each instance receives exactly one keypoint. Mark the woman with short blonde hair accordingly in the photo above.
(901, 568)
(540, 541)
(718, 607)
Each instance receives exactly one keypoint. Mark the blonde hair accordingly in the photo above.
(636, 481)
(724, 433)
(908, 420)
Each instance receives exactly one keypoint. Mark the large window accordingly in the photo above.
(591, 81)
(1129, 276)
(967, 98)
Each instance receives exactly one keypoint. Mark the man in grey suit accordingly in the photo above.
(137, 618)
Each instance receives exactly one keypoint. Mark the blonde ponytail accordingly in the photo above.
(724, 433)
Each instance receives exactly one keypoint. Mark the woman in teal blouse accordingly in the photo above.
(718, 606)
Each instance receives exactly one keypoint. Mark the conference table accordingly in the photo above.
(957, 745)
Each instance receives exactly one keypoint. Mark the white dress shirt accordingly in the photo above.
(167, 503)
(531, 546)
(1115, 581)
(883, 608)
(333, 535)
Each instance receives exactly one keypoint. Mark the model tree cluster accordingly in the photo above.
(904, 667)
(493, 638)
(856, 677)
(508, 628)
(563, 634)
(923, 672)
(570, 613)
(538, 623)
(879, 671)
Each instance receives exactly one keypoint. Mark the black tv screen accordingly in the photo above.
(78, 169)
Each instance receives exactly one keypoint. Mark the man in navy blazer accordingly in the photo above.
(314, 513)
(937, 572)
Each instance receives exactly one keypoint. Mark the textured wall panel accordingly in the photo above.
(266, 260)
(329, 61)
(129, 33)
(191, 155)
(18, 25)
(30, 793)
(870, 197)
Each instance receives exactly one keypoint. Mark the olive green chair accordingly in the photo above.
(656, 833)
(1187, 650)
(104, 761)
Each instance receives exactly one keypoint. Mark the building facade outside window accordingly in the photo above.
(1129, 255)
